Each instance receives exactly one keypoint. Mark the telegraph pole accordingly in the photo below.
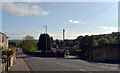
(46, 37)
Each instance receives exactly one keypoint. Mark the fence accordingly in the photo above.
(7, 63)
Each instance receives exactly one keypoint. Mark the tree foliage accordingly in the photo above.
(102, 41)
(13, 44)
(88, 42)
(28, 44)
(42, 42)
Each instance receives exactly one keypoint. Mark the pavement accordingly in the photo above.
(20, 64)
(0, 65)
(30, 63)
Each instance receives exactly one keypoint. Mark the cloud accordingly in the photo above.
(109, 29)
(37, 31)
(14, 33)
(91, 33)
(76, 22)
(22, 9)
(21, 34)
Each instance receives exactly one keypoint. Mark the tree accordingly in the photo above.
(102, 41)
(92, 41)
(118, 40)
(79, 38)
(78, 41)
(42, 42)
(111, 40)
(68, 43)
(86, 45)
(62, 45)
(13, 44)
(28, 44)
(51, 39)
(57, 41)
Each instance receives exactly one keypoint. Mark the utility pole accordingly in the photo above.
(63, 37)
(63, 42)
(46, 37)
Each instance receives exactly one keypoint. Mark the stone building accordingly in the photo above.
(3, 41)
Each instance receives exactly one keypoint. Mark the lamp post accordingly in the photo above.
(63, 38)
(46, 37)
(63, 35)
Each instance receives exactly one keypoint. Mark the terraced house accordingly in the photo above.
(3, 41)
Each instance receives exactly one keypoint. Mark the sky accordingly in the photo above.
(77, 18)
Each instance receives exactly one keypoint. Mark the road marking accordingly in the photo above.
(97, 63)
(85, 71)
(78, 61)
(26, 66)
(112, 64)
(108, 67)
(82, 70)
(63, 65)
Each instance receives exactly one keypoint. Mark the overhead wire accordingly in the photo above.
(101, 10)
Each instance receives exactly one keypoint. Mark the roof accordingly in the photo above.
(4, 34)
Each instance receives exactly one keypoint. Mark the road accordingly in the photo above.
(61, 64)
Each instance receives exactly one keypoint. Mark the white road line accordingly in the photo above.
(98, 63)
(78, 61)
(63, 65)
(26, 66)
(112, 64)
(85, 71)
(82, 70)
(113, 68)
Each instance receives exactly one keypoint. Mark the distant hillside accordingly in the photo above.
(110, 37)
(18, 40)
(14, 40)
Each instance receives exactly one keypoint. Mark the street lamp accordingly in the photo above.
(63, 38)
(46, 37)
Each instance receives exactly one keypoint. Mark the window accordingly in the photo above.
(2, 39)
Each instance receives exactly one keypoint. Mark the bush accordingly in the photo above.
(12, 50)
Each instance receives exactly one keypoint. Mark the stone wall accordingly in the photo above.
(107, 52)
(8, 62)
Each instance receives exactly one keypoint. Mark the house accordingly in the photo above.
(3, 41)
